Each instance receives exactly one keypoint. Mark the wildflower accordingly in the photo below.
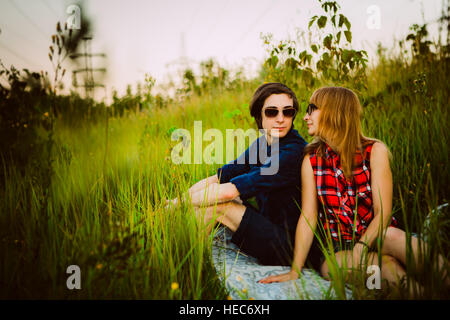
(252, 298)
(99, 266)
(244, 290)
(25, 125)
(174, 286)
(229, 298)
(238, 278)
(46, 114)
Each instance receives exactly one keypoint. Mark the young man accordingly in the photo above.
(267, 233)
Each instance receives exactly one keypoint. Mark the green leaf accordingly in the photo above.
(228, 114)
(347, 23)
(338, 36)
(348, 36)
(274, 61)
(341, 20)
(170, 130)
(327, 41)
(236, 112)
(347, 55)
(311, 21)
(351, 64)
(333, 20)
(322, 21)
(314, 48)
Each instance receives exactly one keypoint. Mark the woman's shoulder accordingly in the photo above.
(379, 153)
(378, 147)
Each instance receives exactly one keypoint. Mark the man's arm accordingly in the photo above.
(214, 193)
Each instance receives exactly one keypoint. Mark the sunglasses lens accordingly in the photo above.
(271, 113)
(289, 112)
(311, 108)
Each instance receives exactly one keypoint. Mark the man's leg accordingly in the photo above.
(228, 213)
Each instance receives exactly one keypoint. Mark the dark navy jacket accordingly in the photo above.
(278, 195)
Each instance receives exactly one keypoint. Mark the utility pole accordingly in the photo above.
(89, 83)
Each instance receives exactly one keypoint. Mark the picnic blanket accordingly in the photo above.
(240, 274)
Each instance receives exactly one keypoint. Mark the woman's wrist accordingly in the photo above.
(363, 244)
(295, 271)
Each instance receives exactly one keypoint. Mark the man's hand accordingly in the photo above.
(291, 275)
(172, 203)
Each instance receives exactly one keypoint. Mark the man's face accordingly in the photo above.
(279, 125)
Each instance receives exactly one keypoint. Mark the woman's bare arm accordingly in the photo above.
(381, 184)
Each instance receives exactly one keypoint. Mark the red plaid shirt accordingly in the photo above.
(339, 198)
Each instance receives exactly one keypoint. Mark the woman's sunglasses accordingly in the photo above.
(311, 108)
(273, 112)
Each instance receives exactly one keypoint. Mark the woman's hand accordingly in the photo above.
(291, 275)
(357, 254)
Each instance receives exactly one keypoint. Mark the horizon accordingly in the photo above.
(195, 32)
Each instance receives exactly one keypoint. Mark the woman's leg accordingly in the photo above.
(391, 269)
(394, 244)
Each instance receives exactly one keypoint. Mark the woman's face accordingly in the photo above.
(312, 121)
(279, 125)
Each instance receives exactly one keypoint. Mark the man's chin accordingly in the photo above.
(278, 134)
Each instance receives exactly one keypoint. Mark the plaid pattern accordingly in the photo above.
(339, 198)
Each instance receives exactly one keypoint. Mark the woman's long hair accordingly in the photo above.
(339, 125)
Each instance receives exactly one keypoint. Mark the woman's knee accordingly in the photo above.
(392, 239)
(394, 235)
(324, 270)
(391, 269)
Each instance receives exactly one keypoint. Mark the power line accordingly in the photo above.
(255, 22)
(29, 19)
(216, 20)
(21, 36)
(18, 55)
(50, 9)
(194, 16)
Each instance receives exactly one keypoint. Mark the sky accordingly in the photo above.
(152, 36)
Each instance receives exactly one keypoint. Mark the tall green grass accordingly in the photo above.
(105, 210)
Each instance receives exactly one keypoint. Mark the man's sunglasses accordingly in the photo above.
(311, 108)
(273, 112)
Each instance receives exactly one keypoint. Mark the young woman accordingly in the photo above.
(347, 183)
(266, 232)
